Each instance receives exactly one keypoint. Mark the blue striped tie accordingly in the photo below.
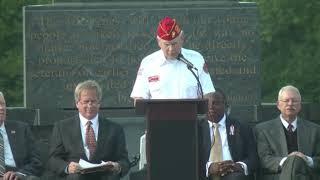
(2, 162)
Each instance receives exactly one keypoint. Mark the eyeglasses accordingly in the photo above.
(90, 102)
(293, 101)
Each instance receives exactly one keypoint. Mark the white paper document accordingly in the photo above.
(85, 164)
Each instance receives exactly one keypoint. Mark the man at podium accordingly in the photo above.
(172, 72)
(227, 146)
(168, 72)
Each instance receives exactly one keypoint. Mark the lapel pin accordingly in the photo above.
(231, 130)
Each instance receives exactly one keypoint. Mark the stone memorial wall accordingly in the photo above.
(68, 43)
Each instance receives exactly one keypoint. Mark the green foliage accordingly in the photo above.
(11, 49)
(290, 42)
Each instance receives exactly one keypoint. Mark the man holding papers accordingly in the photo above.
(88, 137)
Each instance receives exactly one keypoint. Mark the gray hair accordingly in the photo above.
(289, 88)
(2, 96)
(85, 85)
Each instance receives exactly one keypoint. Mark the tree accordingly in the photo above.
(11, 49)
(290, 42)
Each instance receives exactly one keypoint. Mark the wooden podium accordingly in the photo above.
(172, 137)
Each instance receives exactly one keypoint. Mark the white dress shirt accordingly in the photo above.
(8, 156)
(159, 78)
(143, 158)
(83, 126)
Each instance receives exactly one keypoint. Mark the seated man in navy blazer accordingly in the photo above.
(21, 155)
(89, 137)
(227, 146)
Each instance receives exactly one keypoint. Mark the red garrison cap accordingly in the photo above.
(168, 29)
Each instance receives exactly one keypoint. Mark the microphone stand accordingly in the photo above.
(197, 78)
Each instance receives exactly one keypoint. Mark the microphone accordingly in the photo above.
(190, 66)
(188, 63)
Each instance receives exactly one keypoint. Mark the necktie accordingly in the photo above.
(90, 139)
(2, 162)
(216, 149)
(290, 128)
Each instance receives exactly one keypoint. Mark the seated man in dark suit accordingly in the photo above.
(227, 147)
(289, 146)
(90, 137)
(17, 147)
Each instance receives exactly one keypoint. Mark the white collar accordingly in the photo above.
(222, 122)
(286, 124)
(84, 121)
(2, 127)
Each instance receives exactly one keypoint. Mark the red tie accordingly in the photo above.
(90, 139)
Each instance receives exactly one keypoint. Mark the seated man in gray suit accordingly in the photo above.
(21, 155)
(288, 146)
(90, 137)
(227, 146)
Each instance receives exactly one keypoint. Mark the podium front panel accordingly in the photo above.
(172, 141)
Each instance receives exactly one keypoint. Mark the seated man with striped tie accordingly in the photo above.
(89, 137)
(227, 146)
(19, 156)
